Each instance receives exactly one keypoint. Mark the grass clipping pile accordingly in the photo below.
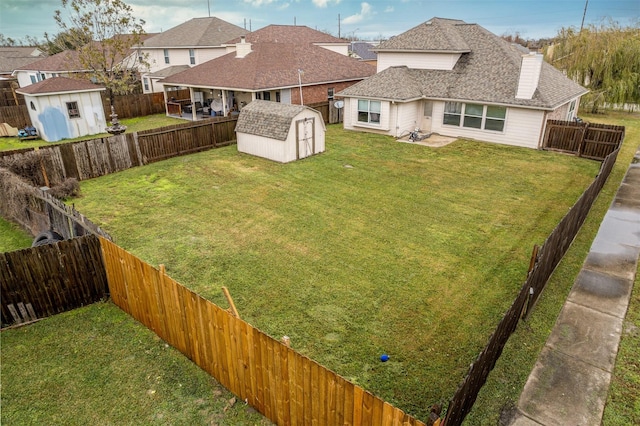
(28, 167)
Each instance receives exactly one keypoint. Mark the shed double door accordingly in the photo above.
(305, 137)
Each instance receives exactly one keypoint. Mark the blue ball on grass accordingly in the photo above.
(384, 357)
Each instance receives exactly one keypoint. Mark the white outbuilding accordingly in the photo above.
(65, 108)
(280, 132)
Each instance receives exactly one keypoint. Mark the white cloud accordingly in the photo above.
(389, 9)
(365, 12)
(325, 3)
(259, 3)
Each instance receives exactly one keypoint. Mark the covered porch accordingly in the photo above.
(205, 102)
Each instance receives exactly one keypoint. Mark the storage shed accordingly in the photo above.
(280, 132)
(65, 108)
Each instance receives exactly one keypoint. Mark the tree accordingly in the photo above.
(8, 41)
(605, 59)
(71, 39)
(114, 33)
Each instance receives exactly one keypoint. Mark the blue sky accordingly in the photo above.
(365, 19)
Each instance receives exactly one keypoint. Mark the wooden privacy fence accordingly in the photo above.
(50, 279)
(15, 115)
(97, 157)
(285, 386)
(590, 140)
(546, 260)
(37, 210)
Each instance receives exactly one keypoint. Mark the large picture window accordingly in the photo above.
(475, 116)
(369, 111)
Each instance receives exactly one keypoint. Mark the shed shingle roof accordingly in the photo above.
(268, 119)
(58, 85)
(197, 32)
(488, 73)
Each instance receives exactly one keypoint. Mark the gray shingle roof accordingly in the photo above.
(363, 50)
(16, 57)
(197, 32)
(436, 34)
(169, 71)
(488, 73)
(268, 119)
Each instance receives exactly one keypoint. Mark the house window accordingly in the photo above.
(72, 110)
(278, 99)
(258, 95)
(475, 116)
(192, 56)
(146, 84)
(572, 108)
(330, 93)
(452, 112)
(33, 78)
(33, 107)
(266, 96)
(368, 111)
(495, 118)
(166, 56)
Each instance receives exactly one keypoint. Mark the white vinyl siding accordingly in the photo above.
(424, 61)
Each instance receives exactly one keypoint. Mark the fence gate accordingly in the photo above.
(590, 140)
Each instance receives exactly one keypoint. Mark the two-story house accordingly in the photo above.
(183, 46)
(457, 79)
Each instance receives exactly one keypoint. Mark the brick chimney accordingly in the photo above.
(243, 48)
(529, 75)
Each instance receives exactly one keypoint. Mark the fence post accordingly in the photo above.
(582, 137)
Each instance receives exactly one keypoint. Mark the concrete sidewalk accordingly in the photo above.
(570, 381)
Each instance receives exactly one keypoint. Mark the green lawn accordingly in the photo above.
(97, 366)
(12, 237)
(512, 370)
(374, 246)
(133, 125)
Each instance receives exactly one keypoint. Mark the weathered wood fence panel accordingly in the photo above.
(98, 157)
(50, 279)
(15, 115)
(547, 259)
(282, 384)
(590, 140)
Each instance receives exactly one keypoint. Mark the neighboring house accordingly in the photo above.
(65, 64)
(457, 79)
(272, 63)
(15, 57)
(280, 132)
(363, 51)
(65, 108)
(189, 44)
(68, 64)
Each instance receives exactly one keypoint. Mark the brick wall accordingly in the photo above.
(318, 93)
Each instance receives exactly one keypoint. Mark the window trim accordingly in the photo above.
(166, 56)
(192, 56)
